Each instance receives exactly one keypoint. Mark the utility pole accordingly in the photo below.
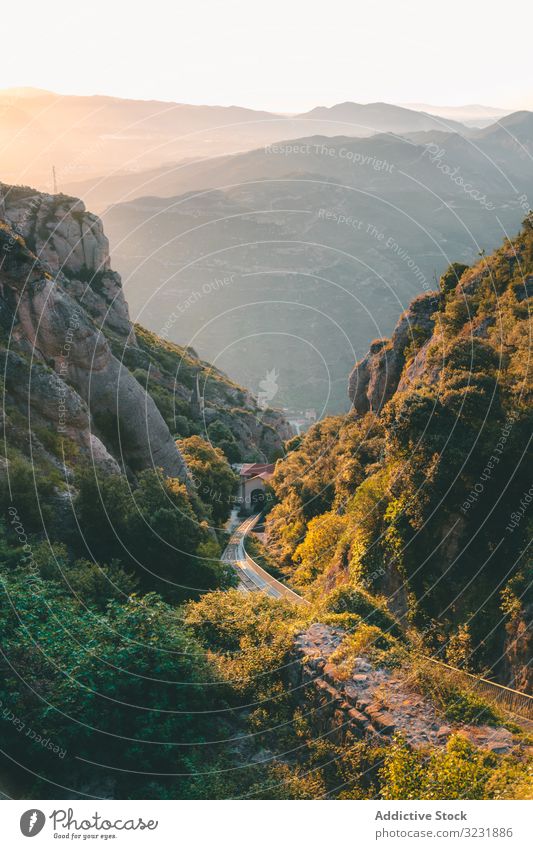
(54, 181)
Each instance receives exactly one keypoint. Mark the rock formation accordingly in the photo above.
(376, 377)
(71, 354)
(59, 303)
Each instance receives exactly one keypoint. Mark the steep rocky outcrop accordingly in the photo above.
(57, 297)
(259, 431)
(74, 364)
(376, 377)
(53, 406)
(421, 496)
(69, 240)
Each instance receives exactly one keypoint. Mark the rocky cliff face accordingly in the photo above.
(70, 241)
(72, 362)
(437, 518)
(376, 377)
(58, 299)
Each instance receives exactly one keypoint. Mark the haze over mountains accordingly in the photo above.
(473, 115)
(503, 144)
(95, 136)
(278, 244)
(321, 242)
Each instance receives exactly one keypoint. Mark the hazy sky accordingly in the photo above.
(285, 55)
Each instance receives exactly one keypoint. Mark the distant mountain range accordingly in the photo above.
(271, 243)
(499, 142)
(370, 118)
(295, 256)
(473, 115)
(93, 137)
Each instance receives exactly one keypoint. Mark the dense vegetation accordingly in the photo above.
(102, 686)
(224, 413)
(251, 641)
(425, 504)
(131, 668)
(214, 481)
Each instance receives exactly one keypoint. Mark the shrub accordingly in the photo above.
(317, 550)
(460, 771)
(82, 683)
(152, 529)
(355, 600)
(451, 277)
(402, 773)
(366, 640)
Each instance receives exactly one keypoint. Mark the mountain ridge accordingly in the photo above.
(353, 228)
(104, 134)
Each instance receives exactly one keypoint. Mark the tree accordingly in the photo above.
(151, 529)
(222, 437)
(127, 688)
(318, 548)
(213, 479)
(451, 277)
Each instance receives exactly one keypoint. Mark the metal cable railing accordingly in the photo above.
(510, 700)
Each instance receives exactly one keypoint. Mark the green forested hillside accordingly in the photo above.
(131, 667)
(424, 501)
(107, 526)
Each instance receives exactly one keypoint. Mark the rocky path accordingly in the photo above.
(379, 701)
